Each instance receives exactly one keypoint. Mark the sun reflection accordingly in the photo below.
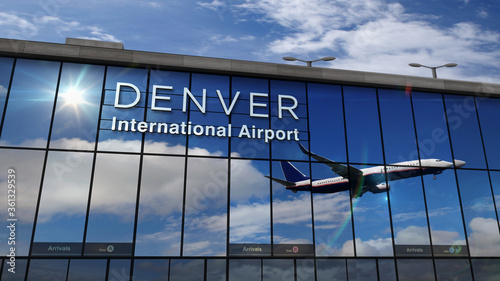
(73, 97)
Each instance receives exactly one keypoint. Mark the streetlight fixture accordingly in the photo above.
(309, 62)
(434, 74)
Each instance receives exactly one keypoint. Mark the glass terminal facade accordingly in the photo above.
(118, 173)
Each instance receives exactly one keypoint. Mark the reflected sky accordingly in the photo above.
(292, 214)
(408, 212)
(28, 167)
(77, 107)
(113, 199)
(397, 126)
(160, 212)
(443, 207)
(488, 116)
(363, 127)
(250, 210)
(229, 173)
(32, 96)
(332, 219)
(205, 207)
(430, 122)
(480, 216)
(464, 130)
(5, 74)
(371, 225)
(65, 193)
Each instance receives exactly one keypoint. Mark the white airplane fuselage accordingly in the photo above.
(374, 179)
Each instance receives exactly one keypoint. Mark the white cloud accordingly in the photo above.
(484, 237)
(99, 34)
(215, 5)
(24, 26)
(220, 39)
(376, 247)
(413, 235)
(152, 4)
(377, 36)
(3, 91)
(16, 25)
(482, 13)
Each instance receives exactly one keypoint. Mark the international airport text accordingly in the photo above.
(188, 128)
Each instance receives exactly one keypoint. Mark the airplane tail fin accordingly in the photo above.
(291, 173)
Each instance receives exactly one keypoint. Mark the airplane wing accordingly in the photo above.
(344, 171)
(280, 181)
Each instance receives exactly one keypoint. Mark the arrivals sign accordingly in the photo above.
(285, 106)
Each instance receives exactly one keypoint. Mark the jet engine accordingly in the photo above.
(381, 187)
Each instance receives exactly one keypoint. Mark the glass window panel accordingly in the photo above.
(485, 269)
(415, 270)
(488, 116)
(32, 97)
(479, 213)
(250, 194)
(147, 270)
(122, 140)
(48, 270)
(166, 143)
(27, 165)
(249, 147)
(214, 113)
(205, 217)
(363, 128)
(409, 220)
(161, 142)
(160, 217)
(445, 217)
(361, 270)
(386, 270)
(244, 270)
(495, 183)
(432, 132)
(464, 130)
(77, 107)
(5, 74)
(187, 270)
(305, 269)
(327, 130)
(332, 216)
(205, 132)
(288, 124)
(119, 270)
(453, 269)
(83, 270)
(292, 215)
(211, 83)
(63, 203)
(371, 216)
(136, 76)
(119, 141)
(443, 205)
(113, 201)
(216, 270)
(327, 269)
(397, 126)
(277, 269)
(16, 274)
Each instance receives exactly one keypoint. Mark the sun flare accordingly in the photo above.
(73, 96)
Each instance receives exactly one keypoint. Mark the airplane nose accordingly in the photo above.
(458, 163)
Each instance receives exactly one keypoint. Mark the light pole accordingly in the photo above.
(434, 74)
(309, 62)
